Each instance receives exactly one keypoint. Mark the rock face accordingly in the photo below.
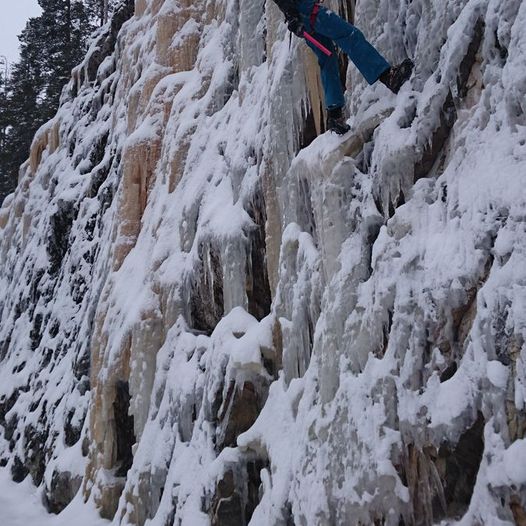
(210, 316)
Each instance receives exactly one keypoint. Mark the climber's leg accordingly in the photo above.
(330, 73)
(347, 37)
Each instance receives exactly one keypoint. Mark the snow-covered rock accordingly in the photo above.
(210, 316)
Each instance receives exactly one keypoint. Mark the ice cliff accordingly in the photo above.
(211, 316)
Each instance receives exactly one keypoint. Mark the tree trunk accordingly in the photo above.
(104, 11)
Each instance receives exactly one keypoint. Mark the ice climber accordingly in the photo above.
(330, 29)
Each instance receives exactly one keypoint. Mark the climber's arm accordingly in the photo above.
(292, 15)
(289, 8)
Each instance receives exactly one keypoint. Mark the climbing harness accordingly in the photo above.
(314, 15)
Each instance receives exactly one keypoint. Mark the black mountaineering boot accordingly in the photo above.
(396, 76)
(336, 121)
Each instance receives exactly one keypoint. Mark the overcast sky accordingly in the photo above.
(13, 18)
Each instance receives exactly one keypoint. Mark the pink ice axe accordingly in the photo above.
(319, 45)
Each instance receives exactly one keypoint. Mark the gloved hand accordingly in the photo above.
(295, 25)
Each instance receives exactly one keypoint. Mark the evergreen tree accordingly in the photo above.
(50, 46)
(22, 95)
(100, 10)
(65, 26)
(4, 125)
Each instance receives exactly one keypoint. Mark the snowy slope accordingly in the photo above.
(21, 505)
(208, 317)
